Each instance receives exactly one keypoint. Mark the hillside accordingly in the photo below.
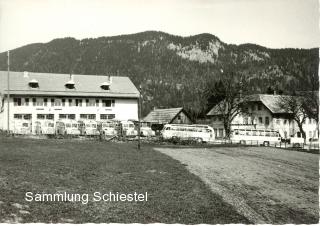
(173, 71)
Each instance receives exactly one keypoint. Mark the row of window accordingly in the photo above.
(63, 102)
(64, 116)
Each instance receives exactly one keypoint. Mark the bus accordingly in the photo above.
(45, 127)
(109, 127)
(145, 130)
(22, 127)
(88, 127)
(265, 137)
(129, 128)
(67, 127)
(199, 133)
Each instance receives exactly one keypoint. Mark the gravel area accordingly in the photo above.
(266, 185)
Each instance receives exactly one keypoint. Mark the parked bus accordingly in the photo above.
(200, 133)
(22, 127)
(45, 127)
(265, 137)
(88, 127)
(145, 129)
(67, 127)
(297, 139)
(109, 127)
(128, 128)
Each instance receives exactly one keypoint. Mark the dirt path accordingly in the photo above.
(265, 185)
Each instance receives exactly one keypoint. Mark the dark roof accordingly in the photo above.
(163, 115)
(269, 101)
(51, 84)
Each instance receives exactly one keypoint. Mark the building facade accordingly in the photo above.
(45, 96)
(263, 112)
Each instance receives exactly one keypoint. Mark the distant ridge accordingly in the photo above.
(173, 70)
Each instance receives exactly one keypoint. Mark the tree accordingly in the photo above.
(229, 89)
(294, 106)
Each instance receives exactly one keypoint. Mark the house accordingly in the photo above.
(168, 116)
(263, 112)
(39, 96)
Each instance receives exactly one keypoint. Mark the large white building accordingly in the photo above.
(264, 113)
(38, 96)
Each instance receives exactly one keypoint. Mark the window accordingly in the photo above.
(39, 102)
(260, 120)
(71, 116)
(45, 101)
(70, 102)
(87, 116)
(108, 103)
(50, 116)
(285, 122)
(26, 101)
(57, 102)
(27, 117)
(252, 108)
(107, 116)
(259, 107)
(79, 102)
(245, 120)
(52, 102)
(87, 102)
(278, 121)
(67, 116)
(63, 101)
(40, 116)
(17, 116)
(62, 116)
(17, 101)
(91, 116)
(97, 103)
(267, 121)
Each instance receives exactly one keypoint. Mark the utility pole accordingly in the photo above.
(8, 94)
(139, 117)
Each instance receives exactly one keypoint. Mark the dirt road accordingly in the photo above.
(266, 185)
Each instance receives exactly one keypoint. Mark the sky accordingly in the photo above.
(270, 23)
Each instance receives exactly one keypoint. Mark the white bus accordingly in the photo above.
(265, 137)
(129, 128)
(88, 128)
(45, 127)
(67, 127)
(200, 133)
(109, 127)
(21, 127)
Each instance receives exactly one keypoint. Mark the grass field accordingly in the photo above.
(264, 184)
(174, 194)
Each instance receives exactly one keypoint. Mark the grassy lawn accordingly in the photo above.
(51, 166)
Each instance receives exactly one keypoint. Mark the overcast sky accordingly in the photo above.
(270, 23)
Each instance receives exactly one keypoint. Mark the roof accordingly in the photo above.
(51, 84)
(271, 102)
(162, 115)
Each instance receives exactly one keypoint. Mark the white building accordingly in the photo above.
(38, 96)
(263, 113)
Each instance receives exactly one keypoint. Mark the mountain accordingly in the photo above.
(173, 71)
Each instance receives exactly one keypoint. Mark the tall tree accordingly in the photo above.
(294, 105)
(229, 90)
